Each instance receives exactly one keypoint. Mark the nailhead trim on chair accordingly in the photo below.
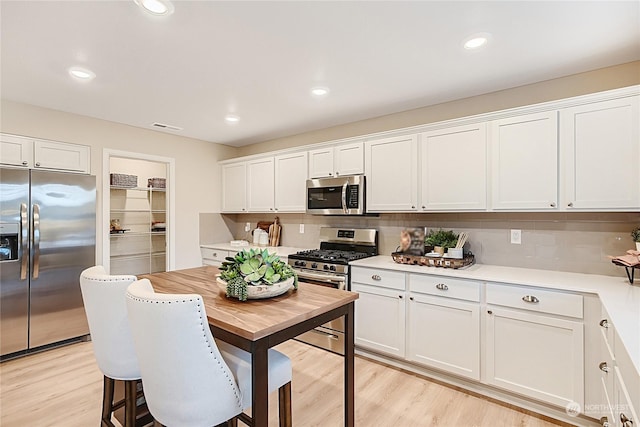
(231, 381)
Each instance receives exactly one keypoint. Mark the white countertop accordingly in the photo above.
(281, 251)
(620, 299)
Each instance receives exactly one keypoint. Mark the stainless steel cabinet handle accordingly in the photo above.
(603, 367)
(570, 204)
(531, 299)
(24, 240)
(36, 241)
(626, 422)
(442, 287)
(604, 323)
(376, 277)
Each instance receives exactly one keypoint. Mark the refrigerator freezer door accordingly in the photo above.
(14, 290)
(63, 244)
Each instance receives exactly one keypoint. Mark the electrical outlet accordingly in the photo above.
(301, 228)
(247, 226)
(516, 237)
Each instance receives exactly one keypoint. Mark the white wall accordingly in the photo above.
(197, 187)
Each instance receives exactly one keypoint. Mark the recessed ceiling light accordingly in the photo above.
(231, 119)
(82, 73)
(156, 7)
(320, 91)
(476, 41)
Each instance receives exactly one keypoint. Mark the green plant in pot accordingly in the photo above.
(635, 234)
(253, 267)
(441, 240)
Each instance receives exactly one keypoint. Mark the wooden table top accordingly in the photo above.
(251, 319)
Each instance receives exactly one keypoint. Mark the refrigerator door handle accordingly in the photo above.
(36, 241)
(24, 241)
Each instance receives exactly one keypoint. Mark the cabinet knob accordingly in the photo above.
(442, 287)
(626, 422)
(570, 204)
(413, 206)
(604, 323)
(337, 173)
(270, 209)
(400, 296)
(489, 312)
(330, 174)
(215, 254)
(25, 163)
(38, 164)
(376, 277)
(411, 298)
(424, 207)
(603, 367)
(531, 299)
(553, 205)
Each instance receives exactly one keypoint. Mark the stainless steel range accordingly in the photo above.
(329, 266)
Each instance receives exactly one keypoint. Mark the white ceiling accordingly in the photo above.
(258, 60)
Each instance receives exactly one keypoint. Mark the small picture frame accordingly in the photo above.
(412, 241)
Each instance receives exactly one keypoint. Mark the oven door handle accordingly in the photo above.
(326, 278)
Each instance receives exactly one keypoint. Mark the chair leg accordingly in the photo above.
(233, 422)
(130, 409)
(284, 405)
(107, 401)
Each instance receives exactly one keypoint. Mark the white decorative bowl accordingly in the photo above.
(262, 291)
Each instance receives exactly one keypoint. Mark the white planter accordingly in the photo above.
(262, 291)
(637, 246)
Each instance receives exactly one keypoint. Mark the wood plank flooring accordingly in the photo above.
(62, 387)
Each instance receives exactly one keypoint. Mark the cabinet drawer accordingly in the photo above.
(213, 254)
(445, 287)
(540, 300)
(376, 277)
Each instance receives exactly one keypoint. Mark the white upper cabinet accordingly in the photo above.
(600, 155)
(346, 159)
(234, 187)
(260, 185)
(16, 151)
(453, 165)
(524, 162)
(42, 154)
(391, 167)
(290, 182)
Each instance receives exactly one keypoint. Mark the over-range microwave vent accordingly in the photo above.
(165, 126)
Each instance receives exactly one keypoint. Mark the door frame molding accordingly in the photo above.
(107, 154)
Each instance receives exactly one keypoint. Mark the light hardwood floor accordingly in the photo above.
(62, 387)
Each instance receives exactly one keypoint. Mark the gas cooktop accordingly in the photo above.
(329, 255)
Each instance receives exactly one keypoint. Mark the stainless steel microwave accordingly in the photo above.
(336, 196)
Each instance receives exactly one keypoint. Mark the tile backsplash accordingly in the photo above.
(573, 241)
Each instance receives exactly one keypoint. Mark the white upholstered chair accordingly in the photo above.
(188, 380)
(106, 309)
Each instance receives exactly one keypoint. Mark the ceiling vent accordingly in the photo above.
(165, 126)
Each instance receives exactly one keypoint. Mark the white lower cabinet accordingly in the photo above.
(531, 345)
(380, 310)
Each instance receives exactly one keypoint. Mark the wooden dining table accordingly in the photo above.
(257, 325)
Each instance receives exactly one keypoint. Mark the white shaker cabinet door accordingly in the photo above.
(600, 149)
(16, 151)
(260, 185)
(349, 159)
(234, 187)
(524, 162)
(391, 167)
(321, 163)
(453, 163)
(61, 156)
(291, 182)
(538, 356)
(445, 334)
(380, 319)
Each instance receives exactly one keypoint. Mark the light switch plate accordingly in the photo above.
(516, 237)
(301, 228)
(247, 226)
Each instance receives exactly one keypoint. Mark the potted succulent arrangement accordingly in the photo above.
(635, 234)
(254, 273)
(441, 240)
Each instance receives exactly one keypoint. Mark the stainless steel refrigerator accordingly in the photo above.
(47, 237)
